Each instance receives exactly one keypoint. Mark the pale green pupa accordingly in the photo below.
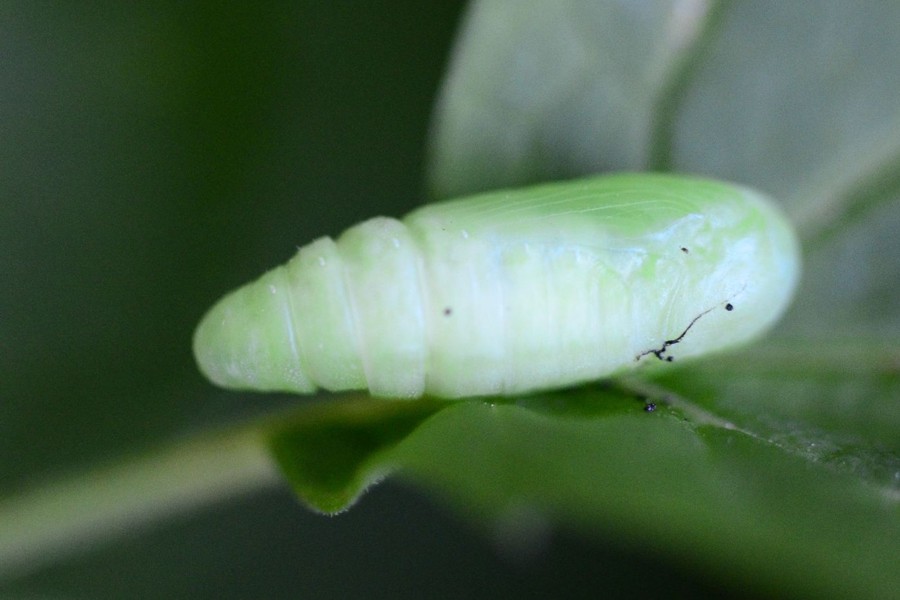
(512, 291)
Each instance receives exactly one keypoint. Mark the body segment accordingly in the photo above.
(511, 291)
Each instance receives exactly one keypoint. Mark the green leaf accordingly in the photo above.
(696, 491)
(330, 453)
(541, 91)
(680, 480)
(799, 100)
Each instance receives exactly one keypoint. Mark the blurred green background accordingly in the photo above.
(156, 155)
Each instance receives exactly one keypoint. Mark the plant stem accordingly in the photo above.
(48, 521)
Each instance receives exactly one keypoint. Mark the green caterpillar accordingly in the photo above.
(511, 291)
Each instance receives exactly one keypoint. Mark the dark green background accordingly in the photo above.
(155, 156)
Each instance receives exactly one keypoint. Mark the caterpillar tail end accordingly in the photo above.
(246, 340)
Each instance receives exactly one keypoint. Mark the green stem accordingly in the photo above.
(48, 521)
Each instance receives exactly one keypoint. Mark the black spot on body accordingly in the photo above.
(685, 250)
(729, 306)
(448, 311)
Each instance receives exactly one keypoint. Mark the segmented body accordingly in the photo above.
(511, 291)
